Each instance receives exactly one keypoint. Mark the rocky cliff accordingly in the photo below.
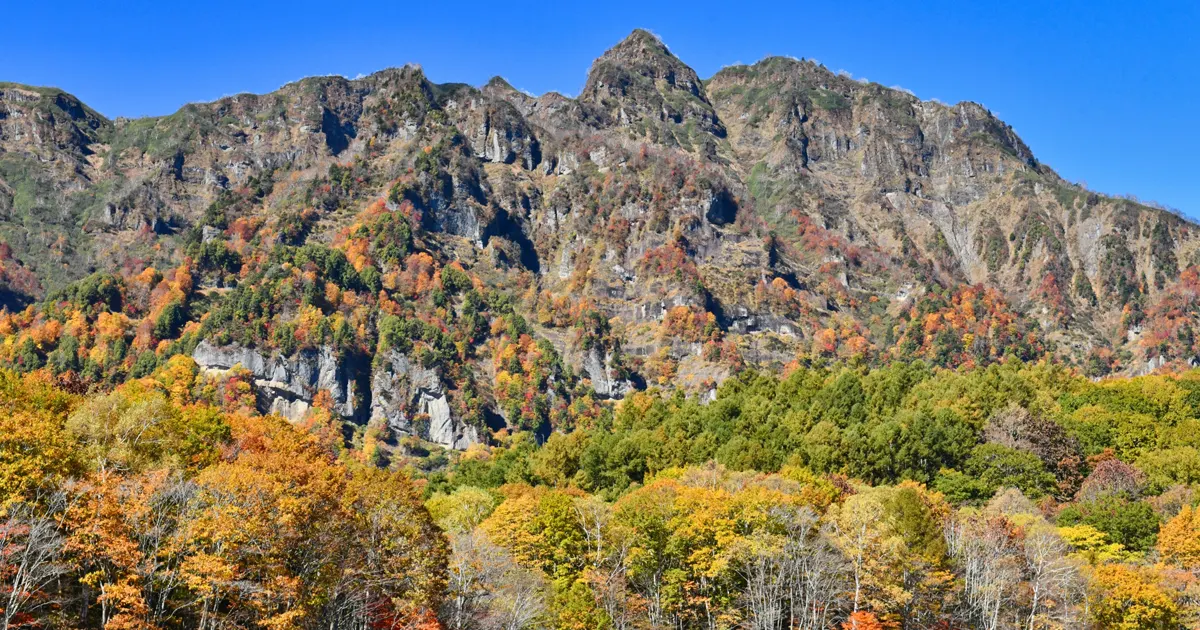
(405, 397)
(412, 400)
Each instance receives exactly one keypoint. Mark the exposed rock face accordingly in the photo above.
(409, 398)
(286, 386)
(412, 401)
(496, 129)
(47, 122)
(601, 373)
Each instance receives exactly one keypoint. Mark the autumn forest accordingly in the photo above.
(1011, 496)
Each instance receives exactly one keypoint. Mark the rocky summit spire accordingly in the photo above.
(640, 44)
(638, 84)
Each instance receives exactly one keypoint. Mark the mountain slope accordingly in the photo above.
(449, 261)
(953, 183)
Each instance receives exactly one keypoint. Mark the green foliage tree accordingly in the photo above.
(1133, 524)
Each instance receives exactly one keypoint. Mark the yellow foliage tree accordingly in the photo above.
(1125, 597)
(1179, 539)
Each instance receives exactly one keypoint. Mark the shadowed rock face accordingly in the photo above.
(766, 203)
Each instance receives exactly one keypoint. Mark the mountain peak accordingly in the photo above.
(641, 43)
(644, 52)
(499, 83)
(639, 84)
(47, 119)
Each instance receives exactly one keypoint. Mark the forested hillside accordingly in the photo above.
(1014, 496)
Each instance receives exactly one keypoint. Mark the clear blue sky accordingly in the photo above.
(1103, 91)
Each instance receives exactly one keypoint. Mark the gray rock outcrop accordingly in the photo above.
(410, 398)
(403, 394)
(599, 370)
(286, 385)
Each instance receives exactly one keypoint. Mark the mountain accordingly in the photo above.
(451, 261)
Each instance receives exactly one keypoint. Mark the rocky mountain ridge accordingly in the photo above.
(659, 229)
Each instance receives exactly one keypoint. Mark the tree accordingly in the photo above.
(65, 357)
(993, 466)
(36, 455)
(541, 530)
(1053, 583)
(462, 510)
(918, 517)
(471, 571)
(863, 620)
(488, 589)
(126, 430)
(763, 568)
(170, 319)
(1128, 597)
(990, 562)
(608, 575)
(816, 572)
(1171, 466)
(112, 542)
(281, 533)
(1052, 578)
(519, 598)
(1179, 539)
(391, 560)
(1133, 524)
(1092, 545)
(30, 561)
(1111, 477)
(1017, 428)
(870, 546)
